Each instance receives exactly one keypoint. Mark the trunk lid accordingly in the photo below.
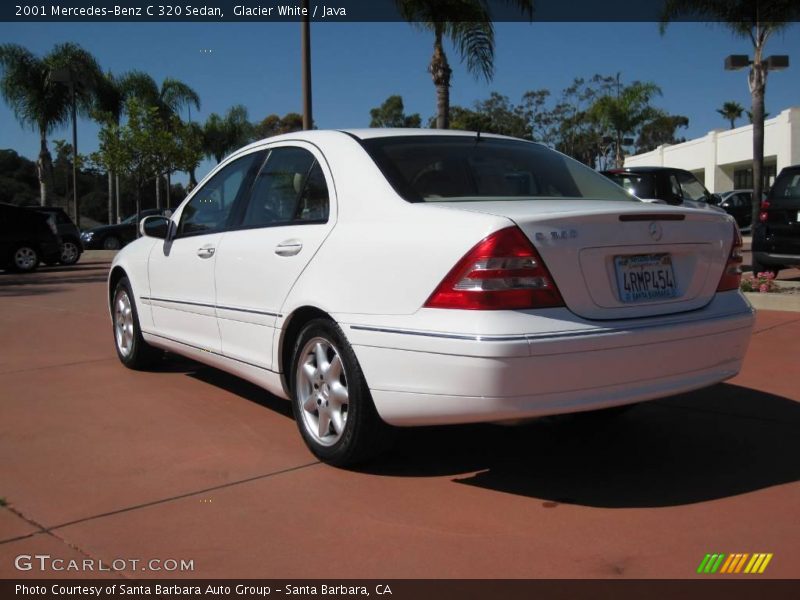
(600, 253)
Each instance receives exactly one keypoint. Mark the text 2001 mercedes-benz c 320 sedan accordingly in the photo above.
(410, 277)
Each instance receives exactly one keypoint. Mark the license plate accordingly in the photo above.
(642, 277)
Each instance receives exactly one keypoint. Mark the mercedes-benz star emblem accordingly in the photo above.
(655, 230)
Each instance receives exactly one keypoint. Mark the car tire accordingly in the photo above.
(70, 253)
(25, 258)
(112, 243)
(761, 268)
(131, 348)
(332, 404)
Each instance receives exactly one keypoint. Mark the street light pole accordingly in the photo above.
(66, 76)
(305, 51)
(75, 200)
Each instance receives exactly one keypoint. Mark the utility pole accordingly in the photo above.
(305, 52)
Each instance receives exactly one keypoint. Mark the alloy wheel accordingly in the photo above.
(69, 253)
(123, 323)
(25, 258)
(322, 394)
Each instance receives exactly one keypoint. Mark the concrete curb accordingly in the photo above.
(787, 302)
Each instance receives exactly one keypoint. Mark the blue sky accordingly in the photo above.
(357, 65)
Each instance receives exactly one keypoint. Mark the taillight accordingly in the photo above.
(763, 216)
(732, 275)
(502, 272)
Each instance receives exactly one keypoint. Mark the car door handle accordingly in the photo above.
(205, 252)
(288, 248)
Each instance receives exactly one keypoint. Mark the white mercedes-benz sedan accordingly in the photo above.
(383, 277)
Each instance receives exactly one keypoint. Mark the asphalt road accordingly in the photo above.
(103, 463)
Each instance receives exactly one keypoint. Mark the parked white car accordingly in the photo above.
(411, 277)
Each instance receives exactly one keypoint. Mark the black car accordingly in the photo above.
(114, 237)
(71, 247)
(738, 204)
(663, 184)
(776, 237)
(26, 238)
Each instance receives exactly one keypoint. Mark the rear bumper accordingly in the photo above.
(774, 258)
(561, 364)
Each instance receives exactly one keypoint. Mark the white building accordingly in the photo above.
(723, 158)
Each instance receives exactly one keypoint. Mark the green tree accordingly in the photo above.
(659, 131)
(468, 26)
(141, 148)
(169, 98)
(221, 135)
(624, 112)
(753, 20)
(38, 101)
(274, 125)
(392, 114)
(731, 111)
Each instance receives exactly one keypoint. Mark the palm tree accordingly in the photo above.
(169, 98)
(468, 25)
(731, 111)
(38, 101)
(223, 134)
(624, 112)
(754, 20)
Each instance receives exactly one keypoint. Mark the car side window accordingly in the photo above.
(289, 189)
(675, 187)
(208, 210)
(691, 188)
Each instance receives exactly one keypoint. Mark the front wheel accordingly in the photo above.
(132, 350)
(759, 268)
(70, 253)
(331, 401)
(112, 243)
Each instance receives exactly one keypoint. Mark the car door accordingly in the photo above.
(181, 269)
(289, 213)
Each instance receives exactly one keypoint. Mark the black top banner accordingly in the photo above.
(351, 11)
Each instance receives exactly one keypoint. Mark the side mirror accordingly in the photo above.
(155, 226)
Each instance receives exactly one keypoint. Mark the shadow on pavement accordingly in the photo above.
(713, 443)
(242, 388)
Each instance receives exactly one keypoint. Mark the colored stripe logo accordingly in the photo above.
(734, 563)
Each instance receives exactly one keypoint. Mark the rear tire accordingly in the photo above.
(25, 258)
(131, 348)
(332, 404)
(760, 268)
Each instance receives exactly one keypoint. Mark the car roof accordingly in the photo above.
(643, 170)
(378, 132)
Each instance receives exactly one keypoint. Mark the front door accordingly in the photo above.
(181, 270)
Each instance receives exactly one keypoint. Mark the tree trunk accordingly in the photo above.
(169, 186)
(110, 197)
(758, 85)
(441, 73)
(192, 179)
(618, 159)
(158, 191)
(117, 212)
(138, 205)
(43, 169)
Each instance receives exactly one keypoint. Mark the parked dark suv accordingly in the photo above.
(114, 237)
(664, 184)
(776, 237)
(71, 247)
(26, 237)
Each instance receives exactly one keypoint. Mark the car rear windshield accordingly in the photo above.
(787, 186)
(641, 186)
(463, 169)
